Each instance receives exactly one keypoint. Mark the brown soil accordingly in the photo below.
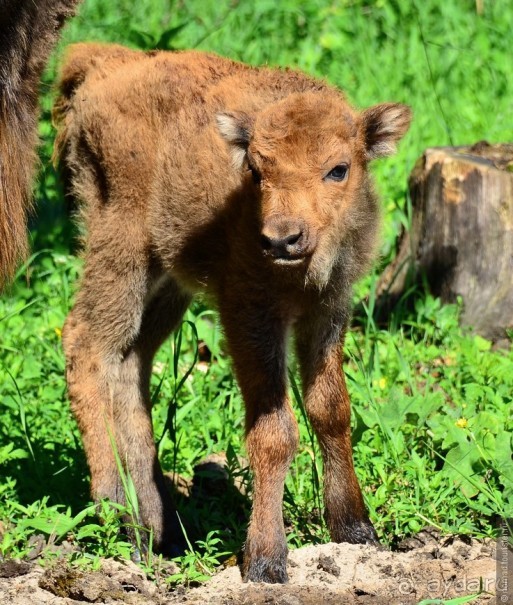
(426, 566)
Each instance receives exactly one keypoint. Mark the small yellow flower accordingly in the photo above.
(461, 423)
(382, 383)
(58, 331)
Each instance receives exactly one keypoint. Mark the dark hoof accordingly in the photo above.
(141, 547)
(172, 542)
(136, 555)
(139, 541)
(357, 532)
(265, 569)
(172, 551)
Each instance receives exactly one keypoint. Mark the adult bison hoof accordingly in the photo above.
(266, 569)
(357, 532)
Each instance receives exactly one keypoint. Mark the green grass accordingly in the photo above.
(431, 402)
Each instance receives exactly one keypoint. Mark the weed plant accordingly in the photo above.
(432, 420)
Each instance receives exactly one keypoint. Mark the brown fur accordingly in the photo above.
(162, 148)
(28, 31)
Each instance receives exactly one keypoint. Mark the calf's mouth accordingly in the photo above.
(287, 242)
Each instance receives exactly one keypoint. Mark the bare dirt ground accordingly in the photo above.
(426, 566)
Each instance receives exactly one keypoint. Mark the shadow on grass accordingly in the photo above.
(216, 500)
(57, 471)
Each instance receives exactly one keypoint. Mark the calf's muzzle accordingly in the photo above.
(286, 239)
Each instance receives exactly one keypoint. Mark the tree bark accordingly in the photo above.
(461, 236)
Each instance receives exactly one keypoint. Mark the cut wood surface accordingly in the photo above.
(461, 237)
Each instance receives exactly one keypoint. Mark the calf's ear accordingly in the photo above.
(383, 126)
(236, 127)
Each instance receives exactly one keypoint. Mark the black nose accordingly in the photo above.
(284, 239)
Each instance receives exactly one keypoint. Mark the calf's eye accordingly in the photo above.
(339, 173)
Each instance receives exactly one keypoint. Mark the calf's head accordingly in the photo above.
(305, 158)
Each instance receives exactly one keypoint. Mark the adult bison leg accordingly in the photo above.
(327, 404)
(28, 31)
(257, 343)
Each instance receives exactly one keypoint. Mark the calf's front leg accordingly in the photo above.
(257, 344)
(319, 347)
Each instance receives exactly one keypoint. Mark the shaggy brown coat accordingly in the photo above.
(198, 174)
(28, 31)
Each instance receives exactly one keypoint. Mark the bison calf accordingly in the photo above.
(198, 174)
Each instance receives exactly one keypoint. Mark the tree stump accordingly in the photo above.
(461, 237)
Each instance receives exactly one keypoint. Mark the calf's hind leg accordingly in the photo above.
(102, 325)
(110, 339)
(132, 416)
